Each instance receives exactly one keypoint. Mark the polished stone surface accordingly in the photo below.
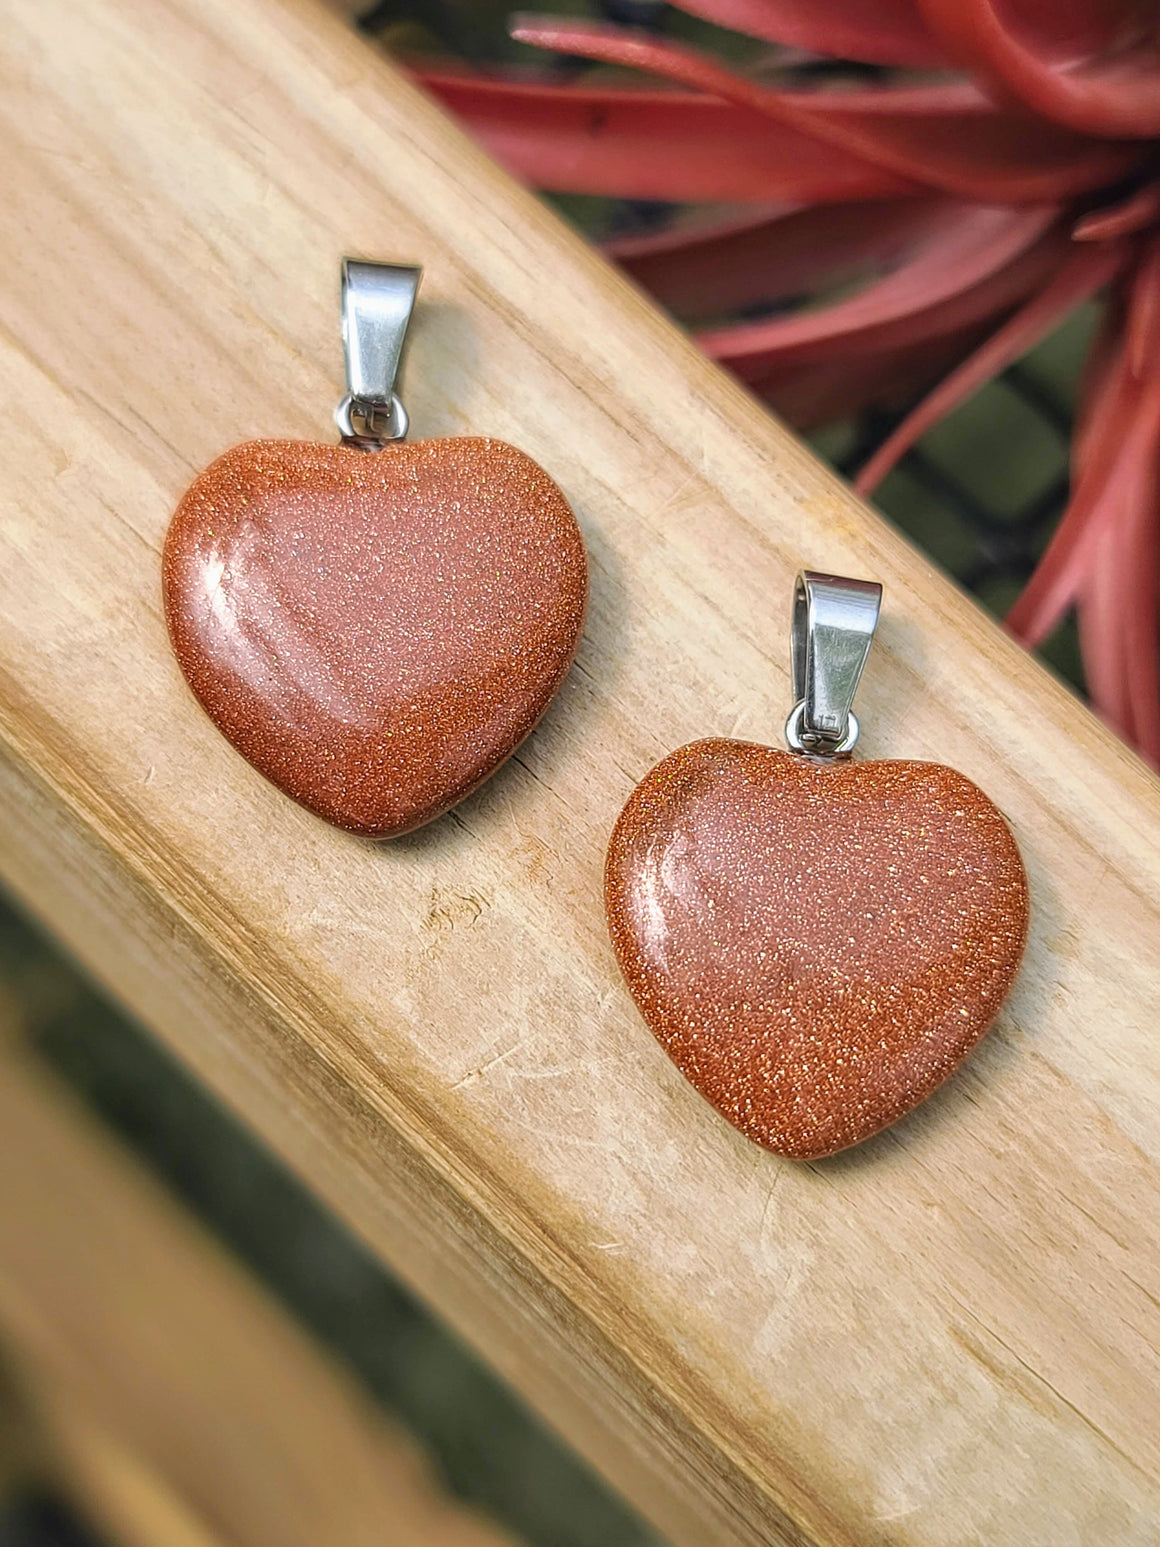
(375, 632)
(817, 945)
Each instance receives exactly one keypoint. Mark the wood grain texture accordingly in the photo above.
(949, 1336)
(180, 1404)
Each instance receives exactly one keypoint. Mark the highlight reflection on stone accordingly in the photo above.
(816, 945)
(375, 632)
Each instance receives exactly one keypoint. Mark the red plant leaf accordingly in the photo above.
(948, 137)
(1100, 637)
(1140, 558)
(1139, 210)
(876, 31)
(1110, 427)
(1143, 324)
(975, 264)
(1141, 615)
(651, 144)
(1119, 596)
(784, 254)
(1083, 273)
(811, 395)
(1137, 561)
(1093, 65)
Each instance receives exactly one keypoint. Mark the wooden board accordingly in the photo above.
(178, 1402)
(947, 1337)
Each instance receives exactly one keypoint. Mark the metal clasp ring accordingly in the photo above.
(380, 424)
(833, 628)
(377, 302)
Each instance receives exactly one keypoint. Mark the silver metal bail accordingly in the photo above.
(833, 628)
(377, 302)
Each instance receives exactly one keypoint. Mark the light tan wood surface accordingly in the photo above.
(177, 1401)
(948, 1337)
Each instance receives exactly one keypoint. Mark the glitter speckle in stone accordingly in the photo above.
(375, 632)
(816, 945)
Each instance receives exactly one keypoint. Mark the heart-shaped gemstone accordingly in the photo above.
(817, 945)
(375, 632)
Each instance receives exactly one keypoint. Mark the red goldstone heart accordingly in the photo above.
(816, 945)
(375, 632)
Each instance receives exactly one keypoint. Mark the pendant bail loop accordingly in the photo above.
(833, 628)
(377, 302)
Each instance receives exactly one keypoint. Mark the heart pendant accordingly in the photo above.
(375, 632)
(375, 626)
(817, 943)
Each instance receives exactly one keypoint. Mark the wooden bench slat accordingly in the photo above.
(179, 1403)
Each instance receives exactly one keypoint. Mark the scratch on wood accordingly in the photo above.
(898, 1514)
(478, 1073)
(777, 1179)
(672, 501)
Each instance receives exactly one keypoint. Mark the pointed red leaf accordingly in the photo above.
(1119, 595)
(1110, 421)
(1135, 213)
(810, 395)
(1084, 272)
(651, 144)
(1139, 563)
(1098, 616)
(876, 31)
(785, 254)
(1143, 323)
(1094, 66)
(1116, 566)
(948, 137)
(978, 262)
